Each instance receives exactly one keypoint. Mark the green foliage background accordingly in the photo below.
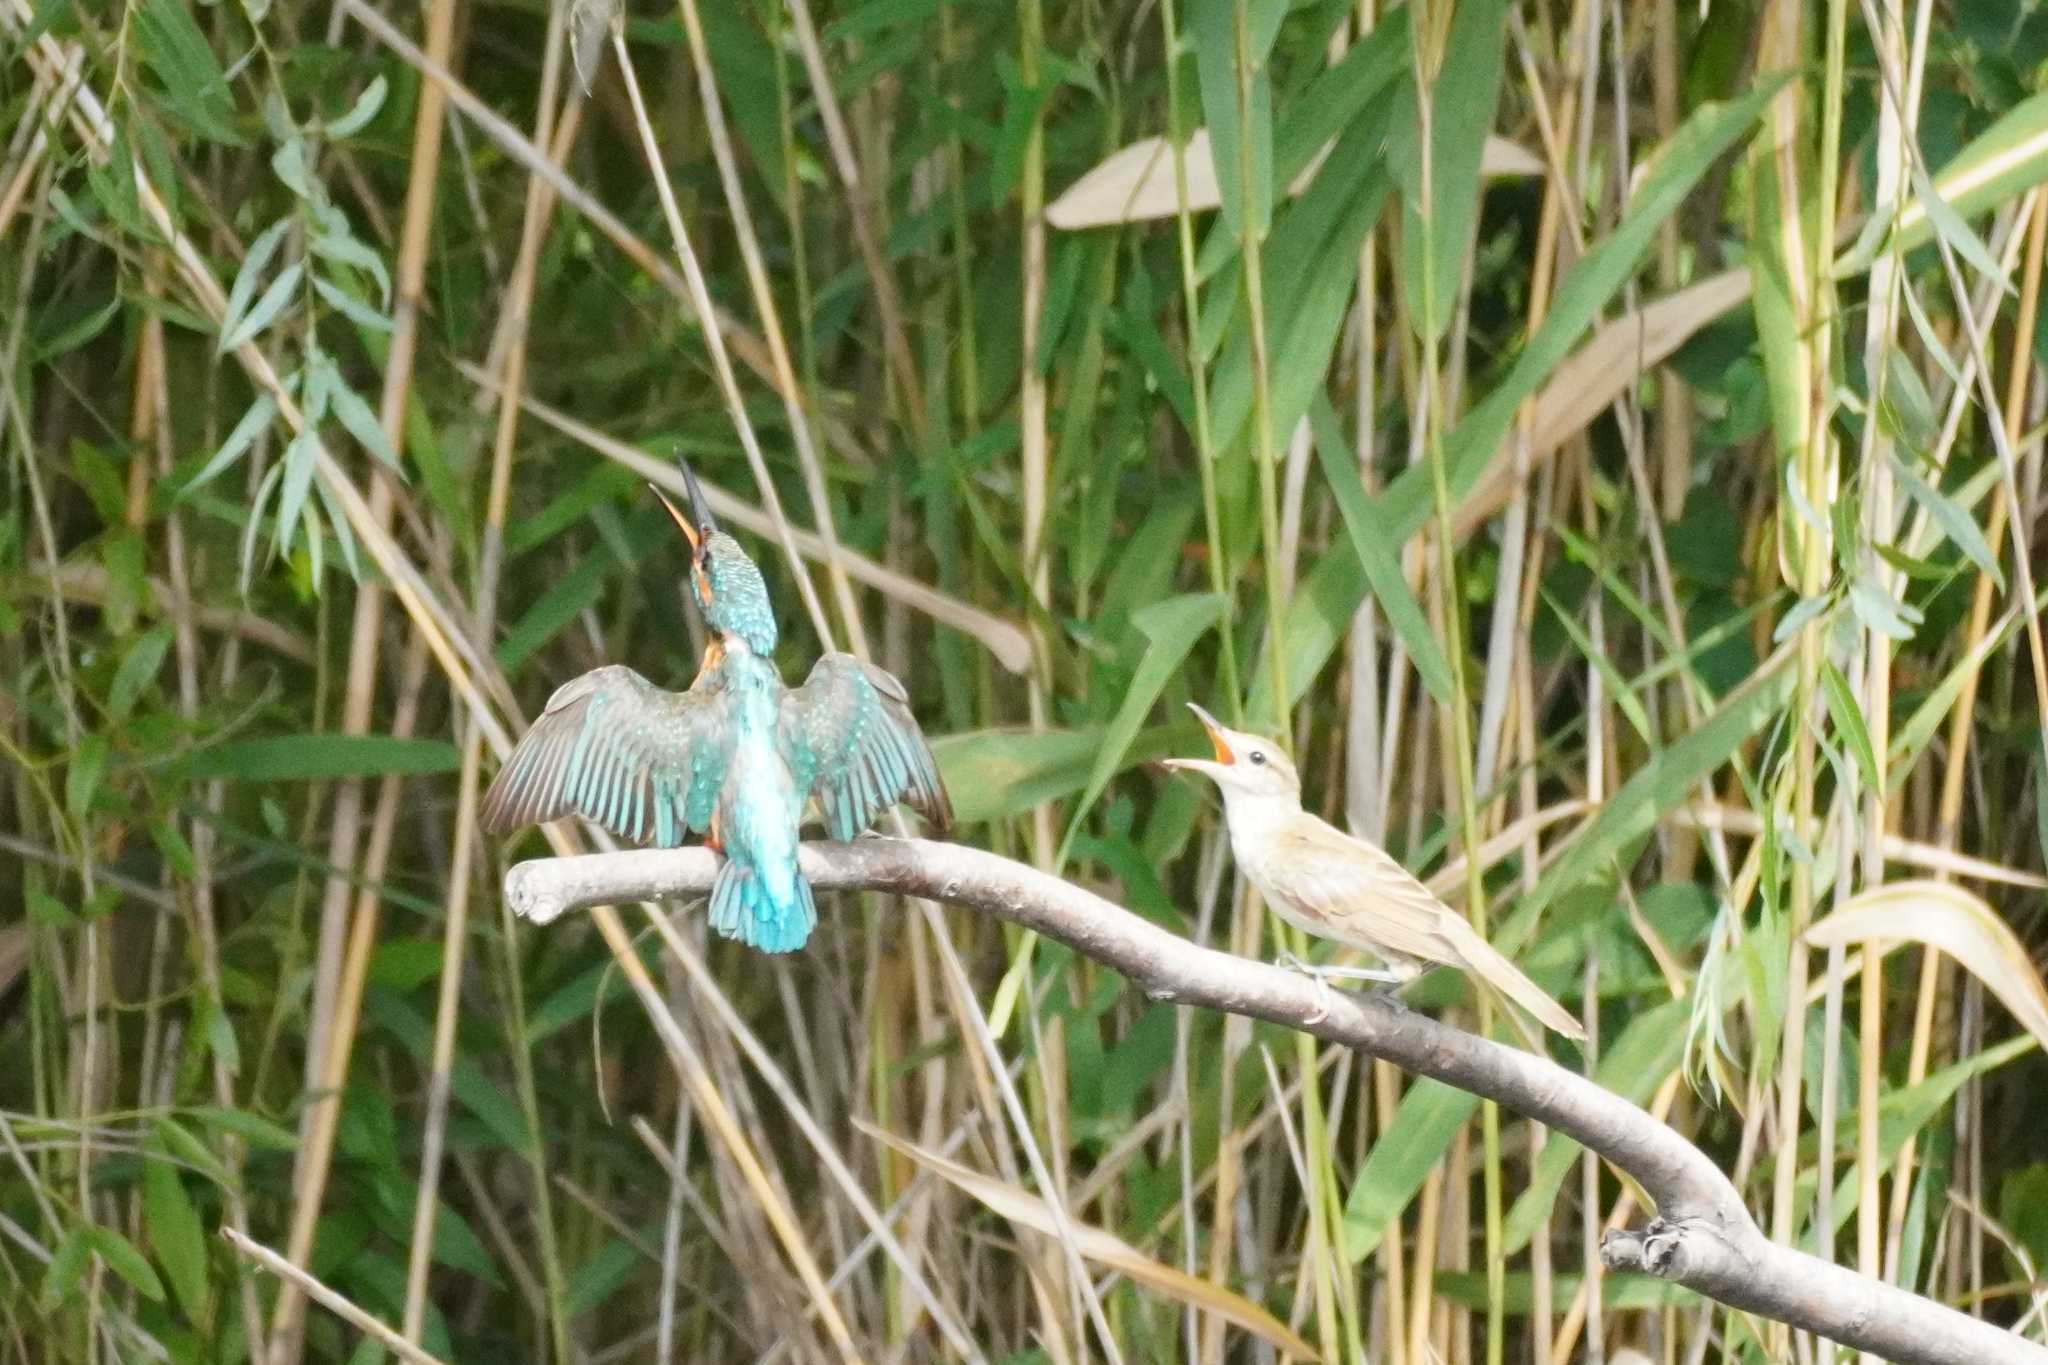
(1593, 434)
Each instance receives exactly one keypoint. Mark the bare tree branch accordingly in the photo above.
(1703, 1237)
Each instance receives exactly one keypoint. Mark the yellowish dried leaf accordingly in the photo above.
(1135, 184)
(1950, 919)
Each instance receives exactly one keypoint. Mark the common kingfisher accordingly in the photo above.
(736, 758)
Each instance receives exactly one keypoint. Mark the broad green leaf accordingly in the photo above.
(1876, 608)
(2007, 158)
(362, 423)
(251, 1128)
(313, 757)
(301, 459)
(76, 330)
(1958, 525)
(1330, 593)
(566, 599)
(340, 247)
(254, 262)
(195, 88)
(351, 307)
(1908, 409)
(46, 910)
(266, 308)
(1906, 1111)
(181, 1145)
(219, 1031)
(1426, 1120)
(124, 1260)
(1372, 540)
(337, 521)
(67, 1266)
(992, 774)
(593, 1283)
(252, 425)
(1461, 113)
(174, 1232)
(361, 112)
(288, 163)
(1656, 789)
(1848, 719)
(1225, 34)
(139, 665)
(82, 778)
(1781, 342)
(1170, 629)
(1949, 226)
(1340, 94)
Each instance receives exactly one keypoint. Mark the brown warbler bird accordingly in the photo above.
(1333, 886)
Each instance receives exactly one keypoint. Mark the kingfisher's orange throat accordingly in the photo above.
(714, 654)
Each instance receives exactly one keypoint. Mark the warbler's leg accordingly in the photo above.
(1324, 998)
(1386, 976)
(1292, 963)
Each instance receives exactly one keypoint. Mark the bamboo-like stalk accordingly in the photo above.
(1457, 734)
(461, 875)
(337, 989)
(728, 382)
(1896, 123)
(771, 329)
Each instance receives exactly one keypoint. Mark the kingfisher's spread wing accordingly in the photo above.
(850, 740)
(611, 746)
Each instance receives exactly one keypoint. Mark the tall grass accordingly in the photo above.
(1604, 441)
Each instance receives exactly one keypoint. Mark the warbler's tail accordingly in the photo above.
(769, 910)
(1487, 963)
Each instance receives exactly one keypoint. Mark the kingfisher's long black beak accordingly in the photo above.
(700, 523)
(699, 508)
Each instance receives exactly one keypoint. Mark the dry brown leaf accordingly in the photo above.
(1946, 917)
(1135, 184)
(1599, 372)
(1028, 1210)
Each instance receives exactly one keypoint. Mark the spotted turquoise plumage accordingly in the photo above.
(737, 758)
(734, 596)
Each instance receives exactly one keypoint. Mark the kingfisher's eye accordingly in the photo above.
(1258, 757)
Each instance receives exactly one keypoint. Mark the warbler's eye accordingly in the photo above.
(1258, 757)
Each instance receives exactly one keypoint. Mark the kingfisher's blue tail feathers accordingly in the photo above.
(744, 906)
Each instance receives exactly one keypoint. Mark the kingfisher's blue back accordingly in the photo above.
(736, 758)
(759, 897)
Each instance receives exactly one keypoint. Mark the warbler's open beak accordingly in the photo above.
(1224, 755)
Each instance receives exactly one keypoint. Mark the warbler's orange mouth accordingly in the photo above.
(1215, 731)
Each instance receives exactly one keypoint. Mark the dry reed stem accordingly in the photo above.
(304, 1284)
